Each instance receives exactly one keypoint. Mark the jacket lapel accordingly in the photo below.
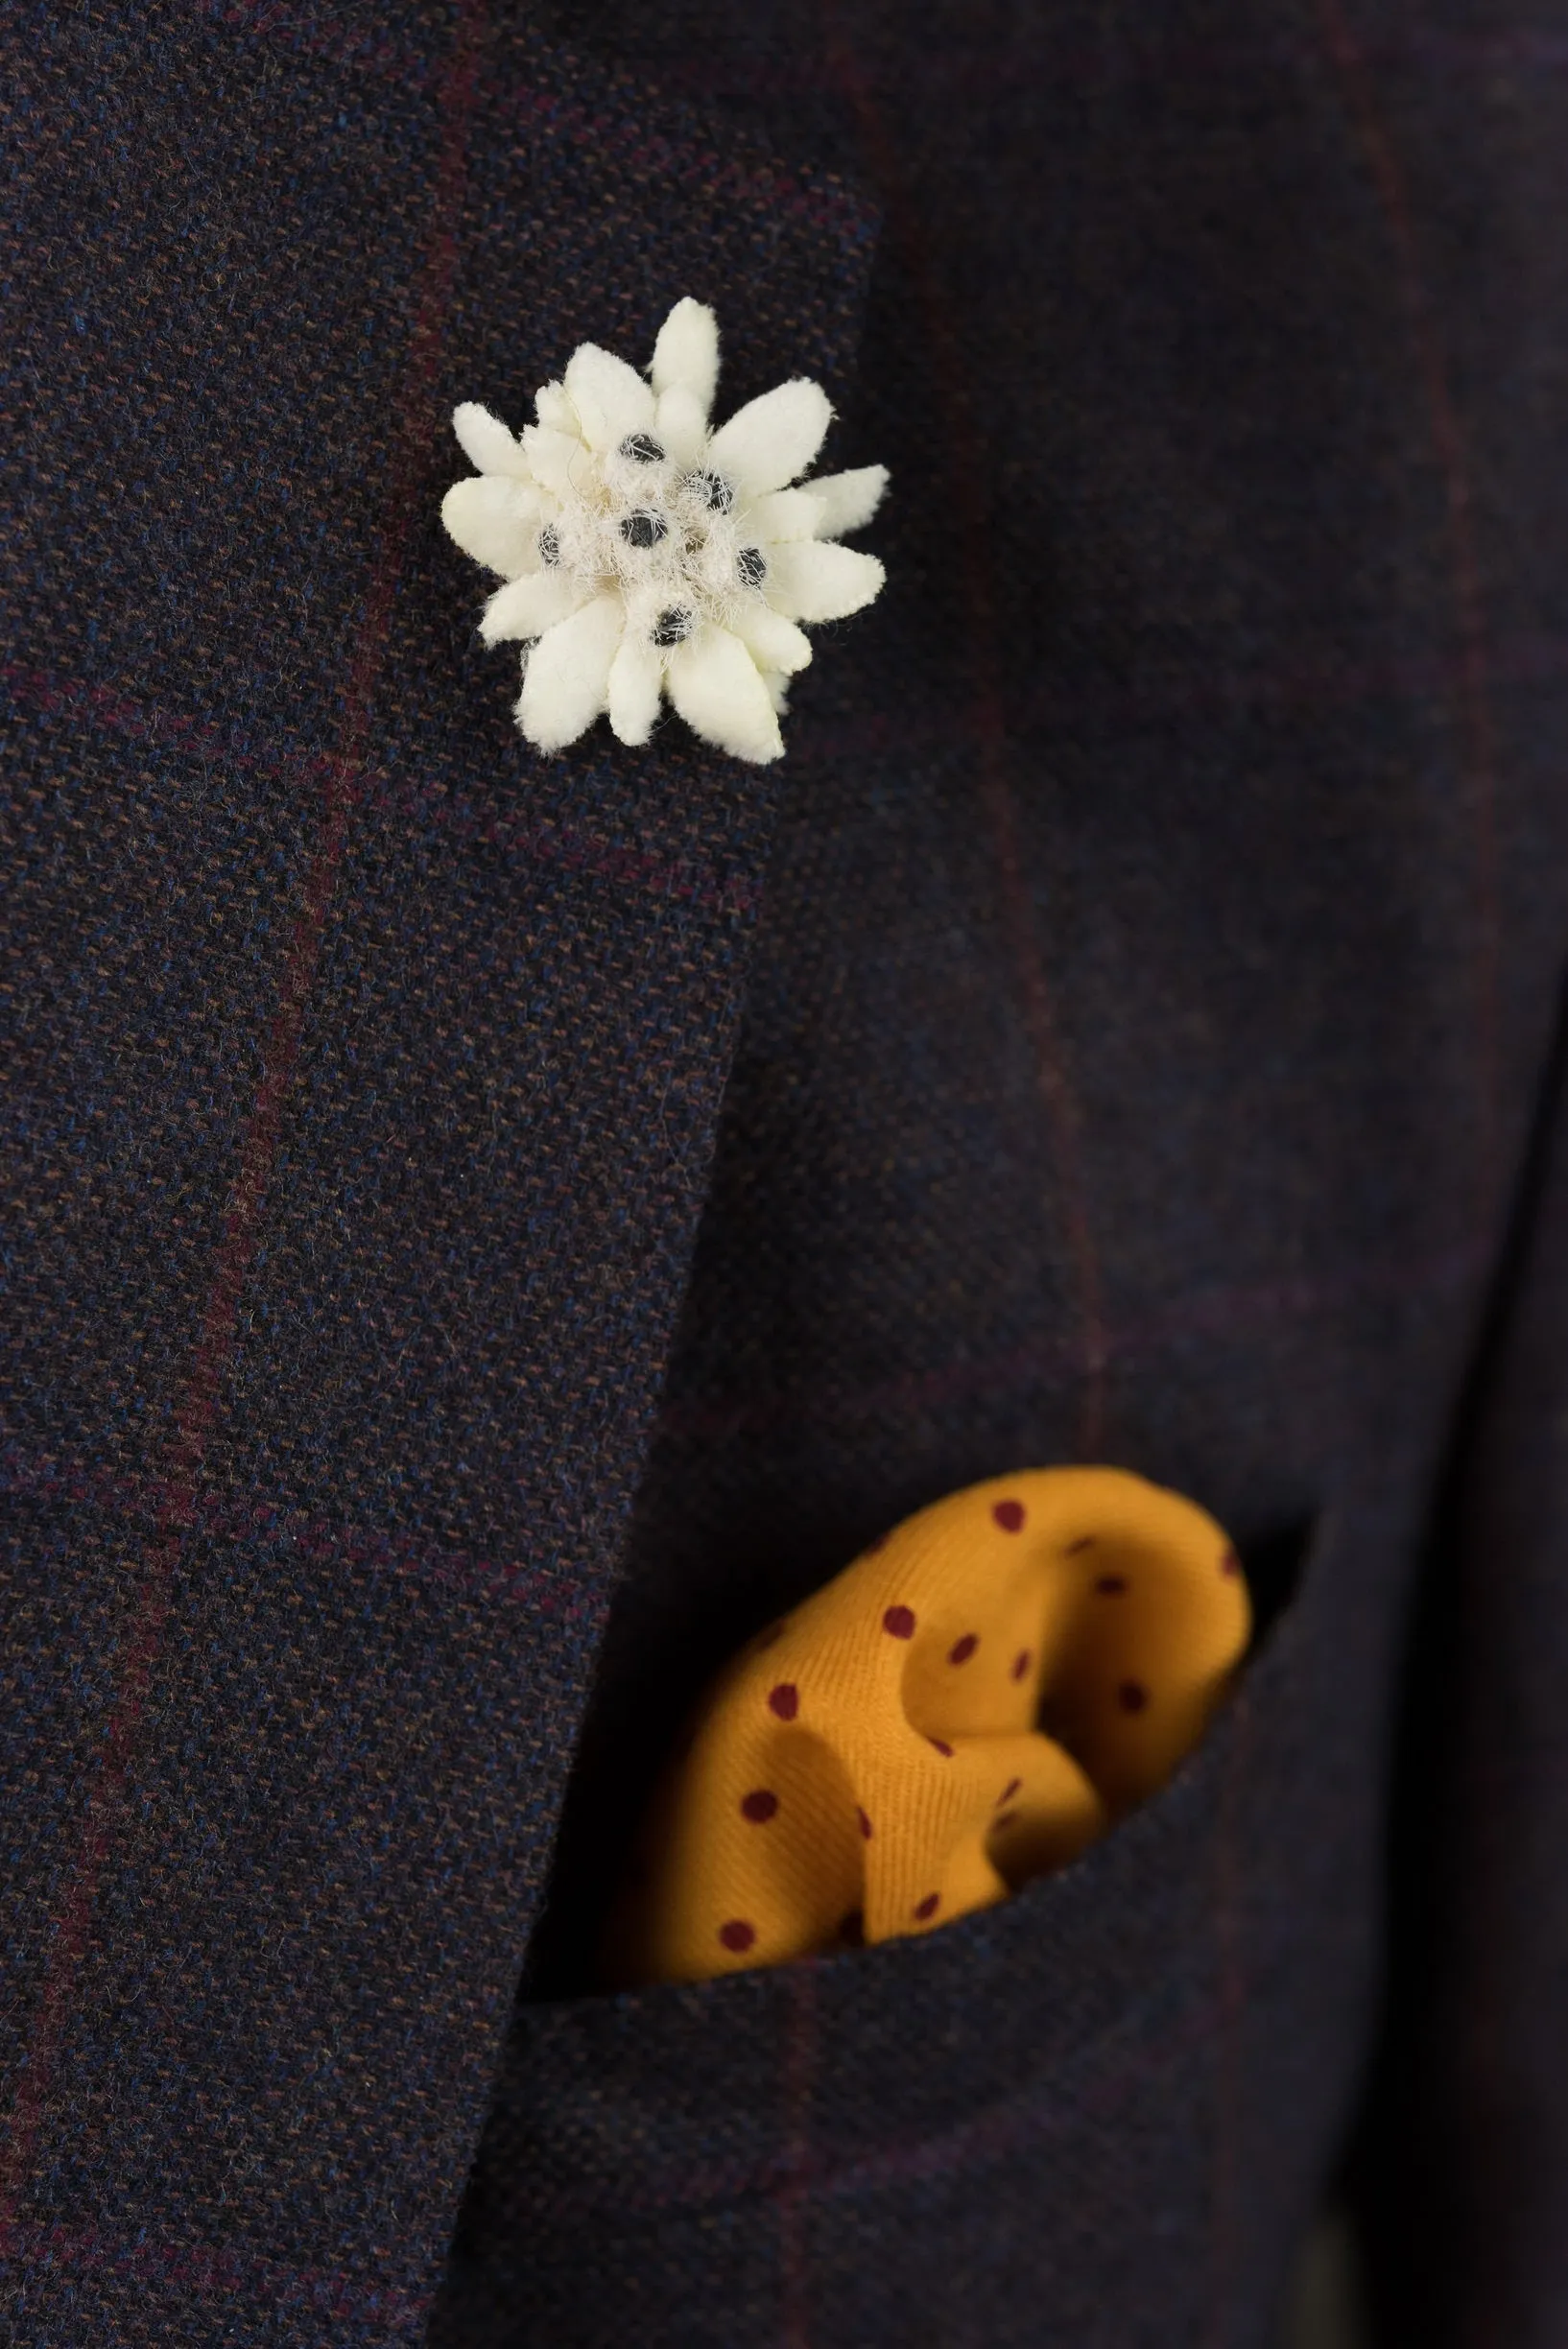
(398, 1101)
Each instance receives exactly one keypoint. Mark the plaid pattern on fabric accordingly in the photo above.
(1164, 907)
(365, 1072)
(1151, 996)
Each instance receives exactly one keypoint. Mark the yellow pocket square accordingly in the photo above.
(970, 1703)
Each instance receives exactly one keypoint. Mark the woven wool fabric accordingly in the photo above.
(367, 1073)
(1148, 948)
(1150, 1008)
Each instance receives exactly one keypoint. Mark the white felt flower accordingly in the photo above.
(645, 555)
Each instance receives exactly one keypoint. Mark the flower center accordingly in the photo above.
(672, 542)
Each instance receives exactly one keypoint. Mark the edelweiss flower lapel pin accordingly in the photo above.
(645, 555)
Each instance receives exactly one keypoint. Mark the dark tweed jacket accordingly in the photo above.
(484, 1233)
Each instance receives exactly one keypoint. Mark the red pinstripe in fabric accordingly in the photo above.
(209, 2273)
(1517, 661)
(256, 1516)
(1490, 1988)
(248, 1517)
(1209, 1312)
(995, 2134)
(626, 864)
(194, 1414)
(631, 145)
(970, 79)
(1473, 690)
(991, 2136)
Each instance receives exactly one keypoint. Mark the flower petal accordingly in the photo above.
(772, 439)
(567, 678)
(773, 641)
(636, 679)
(714, 684)
(555, 411)
(681, 425)
(527, 606)
(612, 399)
(687, 353)
(555, 459)
(822, 581)
(784, 514)
(849, 500)
(494, 520)
(486, 441)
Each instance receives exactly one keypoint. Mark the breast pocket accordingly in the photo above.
(1086, 2116)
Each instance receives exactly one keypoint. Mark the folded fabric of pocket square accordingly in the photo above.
(974, 1700)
